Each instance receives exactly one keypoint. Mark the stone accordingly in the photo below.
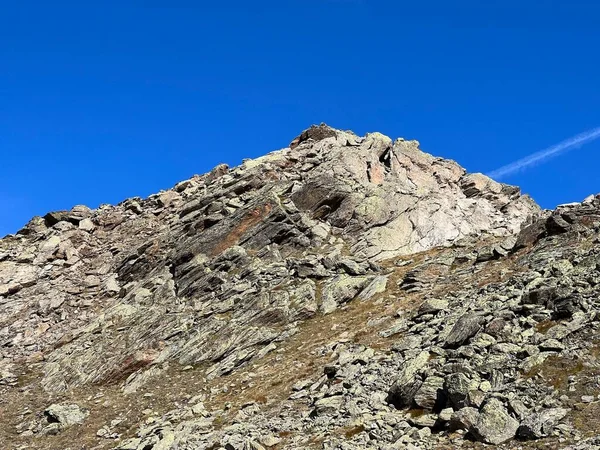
(465, 418)
(352, 267)
(87, 225)
(565, 307)
(541, 424)
(253, 445)
(465, 328)
(556, 224)
(315, 133)
(445, 414)
(432, 306)
(407, 343)
(270, 440)
(457, 386)
(541, 296)
(65, 415)
(407, 384)
(377, 286)
(429, 393)
(328, 406)
(342, 289)
(494, 424)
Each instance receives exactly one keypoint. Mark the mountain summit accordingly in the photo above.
(344, 292)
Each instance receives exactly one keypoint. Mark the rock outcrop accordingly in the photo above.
(345, 292)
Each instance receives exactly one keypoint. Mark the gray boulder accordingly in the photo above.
(403, 391)
(541, 424)
(465, 327)
(465, 418)
(494, 424)
(457, 386)
(429, 393)
(65, 415)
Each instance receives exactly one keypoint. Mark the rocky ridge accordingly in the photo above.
(344, 292)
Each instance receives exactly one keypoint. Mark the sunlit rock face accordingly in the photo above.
(108, 293)
(209, 278)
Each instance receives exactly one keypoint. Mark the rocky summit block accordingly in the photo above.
(344, 292)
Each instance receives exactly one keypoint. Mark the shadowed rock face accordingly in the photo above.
(221, 268)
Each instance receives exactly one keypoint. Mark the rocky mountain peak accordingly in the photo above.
(356, 277)
(392, 193)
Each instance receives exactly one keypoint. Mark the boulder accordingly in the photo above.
(465, 327)
(65, 415)
(456, 387)
(465, 418)
(328, 406)
(432, 306)
(540, 424)
(403, 391)
(430, 393)
(494, 424)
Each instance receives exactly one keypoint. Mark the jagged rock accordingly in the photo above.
(65, 415)
(457, 386)
(407, 384)
(530, 235)
(540, 424)
(465, 328)
(542, 296)
(328, 406)
(556, 224)
(407, 343)
(87, 225)
(565, 307)
(465, 418)
(377, 286)
(270, 440)
(432, 306)
(342, 289)
(430, 393)
(315, 133)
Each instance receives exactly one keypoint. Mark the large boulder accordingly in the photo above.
(541, 424)
(465, 328)
(494, 424)
(63, 415)
(403, 391)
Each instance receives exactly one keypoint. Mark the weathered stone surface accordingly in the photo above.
(65, 415)
(465, 418)
(465, 328)
(328, 406)
(538, 425)
(430, 393)
(305, 297)
(341, 290)
(432, 306)
(403, 391)
(494, 425)
(457, 386)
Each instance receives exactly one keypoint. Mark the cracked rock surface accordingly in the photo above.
(345, 292)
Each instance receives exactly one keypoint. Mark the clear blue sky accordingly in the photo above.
(100, 101)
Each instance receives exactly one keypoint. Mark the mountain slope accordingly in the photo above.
(308, 298)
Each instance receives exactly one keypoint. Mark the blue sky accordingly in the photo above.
(100, 101)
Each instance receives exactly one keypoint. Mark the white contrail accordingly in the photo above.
(536, 158)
